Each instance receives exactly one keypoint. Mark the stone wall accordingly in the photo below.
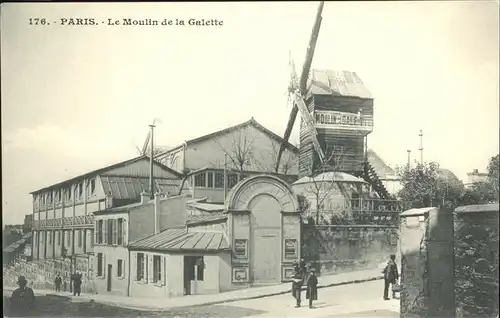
(334, 249)
(41, 274)
(476, 264)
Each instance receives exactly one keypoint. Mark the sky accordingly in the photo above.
(77, 98)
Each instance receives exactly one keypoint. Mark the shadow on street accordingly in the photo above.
(61, 306)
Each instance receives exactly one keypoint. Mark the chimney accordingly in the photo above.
(157, 211)
(109, 201)
(144, 197)
(476, 171)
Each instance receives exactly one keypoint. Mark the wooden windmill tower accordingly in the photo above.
(336, 117)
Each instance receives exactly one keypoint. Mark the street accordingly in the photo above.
(354, 300)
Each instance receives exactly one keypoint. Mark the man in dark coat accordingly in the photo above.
(77, 284)
(57, 282)
(391, 276)
(22, 301)
(297, 281)
(312, 287)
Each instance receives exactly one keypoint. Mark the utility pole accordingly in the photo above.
(421, 149)
(409, 158)
(225, 176)
(151, 177)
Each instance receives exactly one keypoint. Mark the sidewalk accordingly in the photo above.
(149, 304)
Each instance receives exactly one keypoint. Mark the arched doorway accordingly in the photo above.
(263, 216)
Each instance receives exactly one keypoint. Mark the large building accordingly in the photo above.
(475, 177)
(244, 150)
(63, 213)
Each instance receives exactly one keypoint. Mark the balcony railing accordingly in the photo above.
(77, 221)
(344, 120)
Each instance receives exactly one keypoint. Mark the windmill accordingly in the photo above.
(297, 90)
(336, 117)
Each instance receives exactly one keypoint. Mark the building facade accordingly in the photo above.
(63, 213)
(475, 177)
(116, 228)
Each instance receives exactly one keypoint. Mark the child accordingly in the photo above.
(312, 287)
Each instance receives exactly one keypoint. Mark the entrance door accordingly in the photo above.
(110, 272)
(266, 256)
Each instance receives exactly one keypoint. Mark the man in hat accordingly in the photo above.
(297, 279)
(391, 276)
(77, 284)
(22, 300)
(312, 287)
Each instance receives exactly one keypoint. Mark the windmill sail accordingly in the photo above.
(300, 90)
(146, 144)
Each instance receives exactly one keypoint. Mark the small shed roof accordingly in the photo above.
(210, 218)
(417, 212)
(493, 207)
(180, 240)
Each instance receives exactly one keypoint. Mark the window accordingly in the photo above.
(80, 190)
(99, 231)
(115, 231)
(91, 238)
(110, 232)
(199, 180)
(156, 268)
(290, 249)
(59, 195)
(92, 186)
(219, 180)
(49, 240)
(59, 237)
(80, 238)
(68, 194)
(140, 266)
(210, 179)
(68, 238)
(120, 232)
(100, 264)
(232, 180)
(119, 268)
(49, 198)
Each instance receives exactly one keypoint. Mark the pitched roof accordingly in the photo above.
(180, 240)
(131, 188)
(378, 164)
(107, 168)
(337, 83)
(250, 122)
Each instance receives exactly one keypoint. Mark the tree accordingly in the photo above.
(240, 151)
(320, 185)
(427, 185)
(269, 155)
(493, 175)
(484, 192)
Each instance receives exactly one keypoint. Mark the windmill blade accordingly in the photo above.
(310, 49)
(303, 82)
(146, 144)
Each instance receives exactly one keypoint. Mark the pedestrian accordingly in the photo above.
(391, 276)
(77, 287)
(57, 282)
(297, 281)
(312, 287)
(22, 301)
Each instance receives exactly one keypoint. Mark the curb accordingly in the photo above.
(218, 302)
